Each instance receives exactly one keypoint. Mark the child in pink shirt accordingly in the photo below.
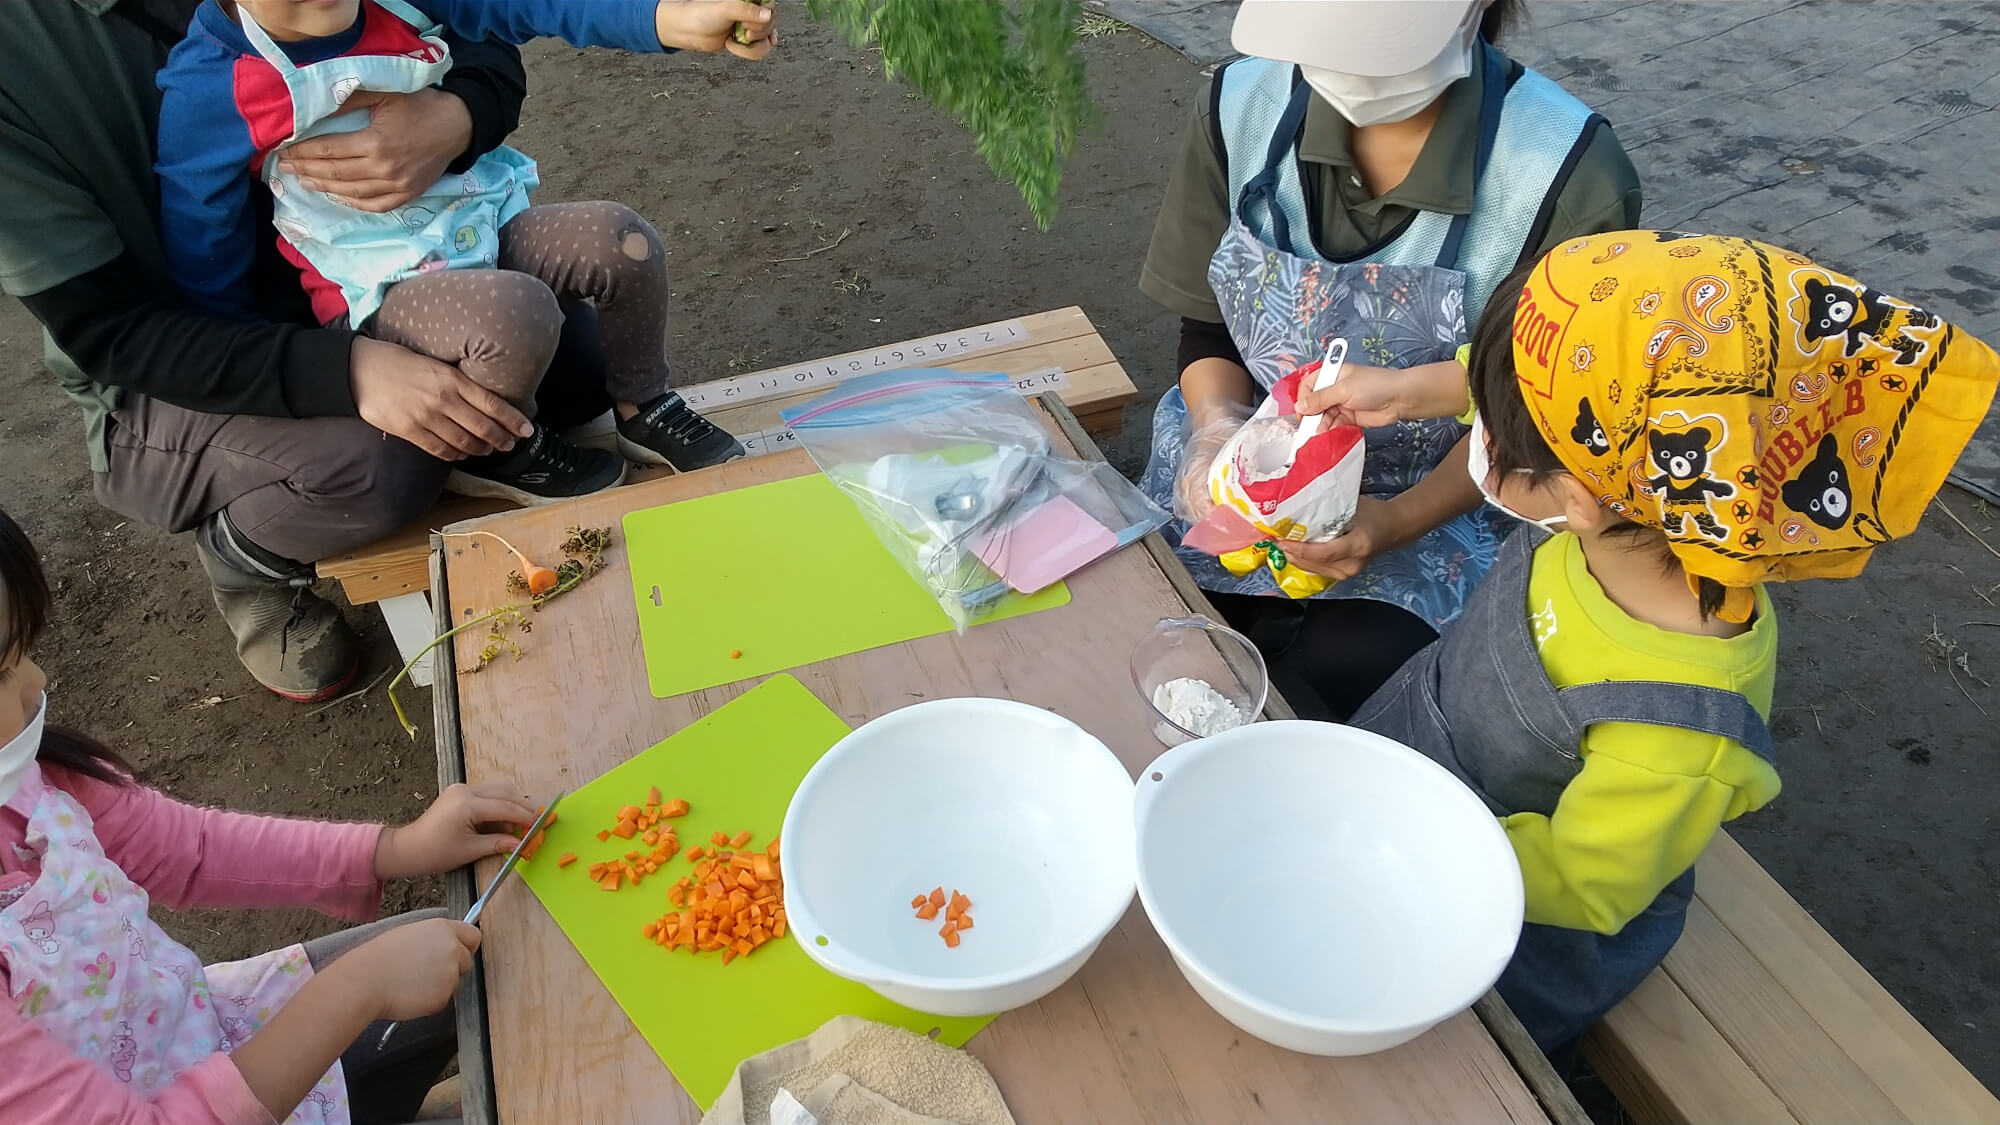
(110, 1020)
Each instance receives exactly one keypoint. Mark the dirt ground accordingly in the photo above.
(1885, 721)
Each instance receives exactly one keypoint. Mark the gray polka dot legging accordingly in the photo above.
(500, 325)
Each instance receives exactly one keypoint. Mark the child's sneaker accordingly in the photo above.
(667, 431)
(540, 470)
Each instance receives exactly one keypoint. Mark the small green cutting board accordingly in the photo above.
(784, 574)
(737, 770)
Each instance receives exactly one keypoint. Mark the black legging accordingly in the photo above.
(1326, 656)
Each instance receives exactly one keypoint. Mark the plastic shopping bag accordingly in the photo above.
(953, 472)
(1265, 497)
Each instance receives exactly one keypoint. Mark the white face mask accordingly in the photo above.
(18, 756)
(1371, 100)
(1480, 466)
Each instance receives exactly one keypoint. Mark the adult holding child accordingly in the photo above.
(1371, 171)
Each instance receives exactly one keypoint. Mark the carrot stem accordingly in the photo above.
(409, 727)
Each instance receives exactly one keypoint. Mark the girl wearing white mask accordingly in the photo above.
(105, 1018)
(1370, 171)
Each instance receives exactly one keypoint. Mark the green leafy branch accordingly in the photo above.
(1010, 73)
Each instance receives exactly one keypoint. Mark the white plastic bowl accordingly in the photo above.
(1016, 807)
(1323, 888)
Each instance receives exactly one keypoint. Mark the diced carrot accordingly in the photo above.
(742, 947)
(953, 913)
(742, 861)
(959, 902)
(771, 849)
(740, 839)
(628, 812)
(565, 859)
(778, 928)
(927, 911)
(746, 880)
(918, 901)
(653, 795)
(761, 867)
(631, 855)
(551, 821)
(626, 830)
(729, 955)
(650, 929)
(674, 808)
(949, 928)
(965, 921)
(603, 834)
(596, 872)
(951, 938)
(610, 881)
(723, 856)
(719, 839)
(937, 897)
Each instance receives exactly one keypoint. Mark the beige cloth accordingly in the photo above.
(857, 1072)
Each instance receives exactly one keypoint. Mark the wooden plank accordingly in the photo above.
(1764, 1025)
(1126, 1041)
(1098, 391)
(1888, 1044)
(475, 1065)
(1667, 1065)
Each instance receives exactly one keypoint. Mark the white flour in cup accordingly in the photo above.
(1196, 707)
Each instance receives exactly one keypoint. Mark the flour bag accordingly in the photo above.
(1265, 497)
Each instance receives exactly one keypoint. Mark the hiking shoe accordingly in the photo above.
(290, 640)
(667, 431)
(540, 470)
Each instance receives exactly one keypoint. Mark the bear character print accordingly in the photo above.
(1680, 450)
(1859, 313)
(1588, 431)
(1820, 492)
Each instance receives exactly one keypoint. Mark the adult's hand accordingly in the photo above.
(431, 405)
(399, 155)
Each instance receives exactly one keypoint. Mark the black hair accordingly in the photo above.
(1514, 442)
(1500, 17)
(25, 605)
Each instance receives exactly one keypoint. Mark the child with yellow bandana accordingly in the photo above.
(1684, 417)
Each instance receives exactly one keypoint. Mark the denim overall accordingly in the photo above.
(455, 224)
(1479, 703)
(1411, 304)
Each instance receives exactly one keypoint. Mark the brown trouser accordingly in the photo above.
(500, 326)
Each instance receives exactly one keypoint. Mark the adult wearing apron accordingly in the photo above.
(1371, 171)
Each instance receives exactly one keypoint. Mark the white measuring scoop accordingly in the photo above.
(1329, 373)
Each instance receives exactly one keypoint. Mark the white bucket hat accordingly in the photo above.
(1377, 38)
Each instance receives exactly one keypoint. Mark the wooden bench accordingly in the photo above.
(1058, 350)
(1758, 1015)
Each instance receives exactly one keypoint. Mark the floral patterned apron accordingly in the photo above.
(1281, 308)
(88, 966)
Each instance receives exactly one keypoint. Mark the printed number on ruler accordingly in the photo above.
(834, 369)
(780, 438)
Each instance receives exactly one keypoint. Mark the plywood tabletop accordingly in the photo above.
(1125, 1041)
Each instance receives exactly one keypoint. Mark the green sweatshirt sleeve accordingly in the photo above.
(1622, 831)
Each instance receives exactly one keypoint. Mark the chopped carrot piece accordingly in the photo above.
(746, 880)
(596, 872)
(959, 902)
(761, 867)
(965, 921)
(653, 795)
(551, 821)
(729, 955)
(603, 834)
(918, 901)
(951, 938)
(649, 838)
(628, 812)
(565, 859)
(953, 913)
(927, 911)
(674, 808)
(650, 929)
(631, 855)
(742, 947)
(742, 862)
(610, 881)
(740, 839)
(937, 897)
(949, 928)
(771, 849)
(719, 839)
(778, 928)
(626, 830)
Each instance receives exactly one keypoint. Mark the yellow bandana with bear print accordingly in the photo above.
(1776, 419)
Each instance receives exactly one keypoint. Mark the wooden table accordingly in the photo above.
(1125, 1041)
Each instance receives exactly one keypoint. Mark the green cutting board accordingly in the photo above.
(786, 573)
(737, 770)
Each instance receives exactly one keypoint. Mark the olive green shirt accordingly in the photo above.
(1601, 194)
(60, 224)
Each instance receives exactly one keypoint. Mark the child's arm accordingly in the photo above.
(207, 224)
(46, 1083)
(1623, 830)
(646, 26)
(186, 856)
